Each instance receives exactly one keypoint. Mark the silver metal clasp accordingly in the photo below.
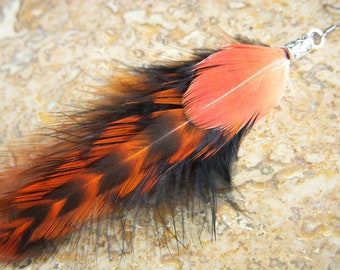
(304, 45)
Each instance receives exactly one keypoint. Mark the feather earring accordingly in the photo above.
(175, 130)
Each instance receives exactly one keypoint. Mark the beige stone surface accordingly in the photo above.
(288, 171)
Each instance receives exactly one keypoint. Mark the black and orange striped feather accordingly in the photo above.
(139, 146)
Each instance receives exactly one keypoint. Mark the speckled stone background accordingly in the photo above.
(288, 171)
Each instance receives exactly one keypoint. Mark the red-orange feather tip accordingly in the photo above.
(236, 85)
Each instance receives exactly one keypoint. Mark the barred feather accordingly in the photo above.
(143, 146)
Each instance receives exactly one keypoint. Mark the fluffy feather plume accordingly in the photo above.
(145, 146)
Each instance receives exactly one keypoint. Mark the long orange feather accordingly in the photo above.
(175, 131)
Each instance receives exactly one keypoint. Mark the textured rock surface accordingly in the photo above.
(288, 172)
